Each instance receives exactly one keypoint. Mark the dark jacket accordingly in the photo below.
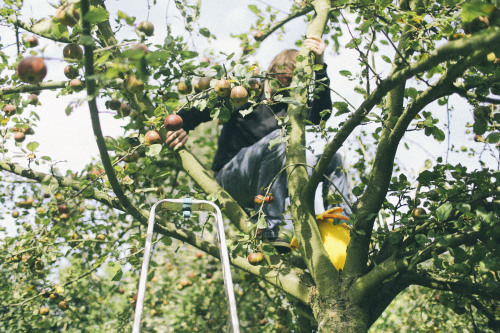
(243, 131)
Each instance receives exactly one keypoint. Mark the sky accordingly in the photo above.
(69, 139)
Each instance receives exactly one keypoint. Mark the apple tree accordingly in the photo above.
(74, 261)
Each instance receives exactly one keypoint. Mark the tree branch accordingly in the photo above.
(33, 87)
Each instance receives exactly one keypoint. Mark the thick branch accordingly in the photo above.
(426, 279)
(94, 115)
(33, 87)
(306, 230)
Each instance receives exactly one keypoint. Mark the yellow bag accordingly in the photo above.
(335, 237)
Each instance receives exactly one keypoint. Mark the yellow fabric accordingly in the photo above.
(335, 237)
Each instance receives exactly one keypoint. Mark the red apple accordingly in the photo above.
(152, 137)
(76, 84)
(31, 70)
(73, 52)
(9, 110)
(124, 110)
(255, 258)
(71, 72)
(33, 99)
(184, 87)
(44, 311)
(239, 95)
(31, 40)
(202, 84)
(223, 88)
(19, 136)
(140, 47)
(173, 122)
(63, 305)
(205, 59)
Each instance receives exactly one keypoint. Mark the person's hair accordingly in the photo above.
(286, 59)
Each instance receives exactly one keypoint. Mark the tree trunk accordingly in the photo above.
(335, 316)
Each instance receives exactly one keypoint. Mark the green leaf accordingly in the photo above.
(49, 27)
(386, 59)
(118, 274)
(475, 8)
(438, 134)
(153, 150)
(342, 107)
(123, 16)
(345, 73)
(96, 15)
(421, 239)
(493, 137)
(49, 184)
(444, 211)
(261, 223)
(205, 32)
(32, 146)
(254, 9)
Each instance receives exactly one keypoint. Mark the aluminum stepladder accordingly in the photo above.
(187, 205)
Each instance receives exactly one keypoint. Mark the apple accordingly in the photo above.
(68, 15)
(146, 28)
(33, 99)
(152, 137)
(198, 254)
(121, 291)
(254, 85)
(63, 305)
(255, 258)
(173, 122)
(259, 35)
(10, 110)
(62, 208)
(71, 72)
(59, 197)
(140, 47)
(31, 70)
(15, 214)
(134, 85)
(124, 110)
(205, 59)
(31, 40)
(44, 311)
(269, 198)
(222, 88)
(202, 84)
(76, 84)
(73, 52)
(19, 136)
(100, 237)
(239, 95)
(418, 213)
(113, 104)
(184, 87)
(481, 112)
(259, 199)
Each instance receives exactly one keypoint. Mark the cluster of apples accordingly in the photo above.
(238, 94)
(172, 122)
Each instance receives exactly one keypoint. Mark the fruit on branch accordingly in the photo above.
(205, 59)
(33, 99)
(222, 88)
(146, 28)
(73, 52)
(31, 40)
(9, 110)
(44, 311)
(124, 110)
(68, 15)
(152, 137)
(71, 72)
(259, 199)
(63, 208)
(259, 35)
(269, 198)
(255, 258)
(140, 47)
(418, 213)
(184, 87)
(113, 104)
(202, 84)
(254, 85)
(54, 296)
(134, 85)
(100, 237)
(31, 70)
(15, 214)
(76, 84)
(63, 305)
(19, 136)
(173, 122)
(130, 158)
(239, 95)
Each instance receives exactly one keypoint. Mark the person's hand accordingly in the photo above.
(317, 46)
(176, 139)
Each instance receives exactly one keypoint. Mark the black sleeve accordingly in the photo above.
(193, 117)
(321, 97)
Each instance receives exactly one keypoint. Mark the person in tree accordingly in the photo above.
(250, 153)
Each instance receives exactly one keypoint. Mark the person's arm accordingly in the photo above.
(322, 99)
(190, 119)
